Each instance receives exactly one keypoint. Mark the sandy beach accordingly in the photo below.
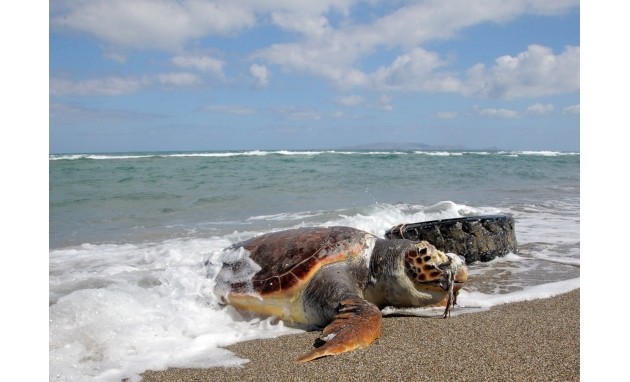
(536, 340)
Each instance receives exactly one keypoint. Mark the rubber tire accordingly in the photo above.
(477, 238)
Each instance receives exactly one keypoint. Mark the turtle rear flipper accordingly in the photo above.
(356, 325)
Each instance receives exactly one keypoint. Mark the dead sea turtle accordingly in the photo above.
(338, 278)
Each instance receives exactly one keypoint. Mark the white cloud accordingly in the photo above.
(299, 114)
(446, 114)
(535, 72)
(110, 86)
(153, 24)
(331, 61)
(385, 103)
(169, 25)
(260, 74)
(420, 22)
(304, 6)
(205, 64)
(574, 109)
(69, 113)
(114, 86)
(496, 113)
(115, 56)
(312, 25)
(350, 100)
(179, 79)
(540, 109)
(414, 70)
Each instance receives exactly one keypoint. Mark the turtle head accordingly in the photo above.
(433, 271)
(410, 274)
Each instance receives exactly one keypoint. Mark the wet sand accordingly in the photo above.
(536, 340)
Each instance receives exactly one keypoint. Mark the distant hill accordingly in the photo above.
(404, 146)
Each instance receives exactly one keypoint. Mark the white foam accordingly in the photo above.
(440, 153)
(472, 302)
(231, 266)
(96, 156)
(546, 153)
(286, 216)
(559, 259)
(382, 217)
(482, 300)
(135, 308)
(217, 154)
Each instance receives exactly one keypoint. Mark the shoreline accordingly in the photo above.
(537, 340)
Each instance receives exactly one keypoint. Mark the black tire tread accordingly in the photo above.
(477, 238)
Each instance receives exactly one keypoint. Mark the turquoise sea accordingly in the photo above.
(129, 234)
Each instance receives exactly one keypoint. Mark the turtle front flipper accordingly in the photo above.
(356, 325)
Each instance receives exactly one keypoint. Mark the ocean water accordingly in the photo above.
(130, 233)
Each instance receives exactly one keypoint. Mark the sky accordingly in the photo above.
(190, 75)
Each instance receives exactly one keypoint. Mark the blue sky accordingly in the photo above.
(146, 75)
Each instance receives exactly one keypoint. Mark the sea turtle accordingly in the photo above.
(338, 278)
